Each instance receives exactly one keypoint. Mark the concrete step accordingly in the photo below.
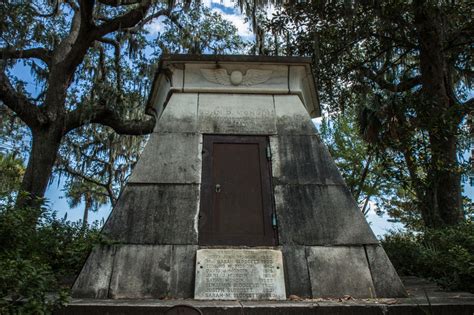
(424, 298)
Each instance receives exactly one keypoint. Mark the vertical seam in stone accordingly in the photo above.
(114, 254)
(184, 76)
(274, 113)
(370, 270)
(197, 113)
(241, 307)
(170, 281)
(307, 268)
(288, 79)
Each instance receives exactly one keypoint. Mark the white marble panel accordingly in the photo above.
(239, 274)
(236, 114)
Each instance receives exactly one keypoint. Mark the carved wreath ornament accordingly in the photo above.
(251, 77)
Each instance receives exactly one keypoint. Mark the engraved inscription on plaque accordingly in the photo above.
(239, 274)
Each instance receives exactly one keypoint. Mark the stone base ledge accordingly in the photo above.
(424, 298)
(381, 306)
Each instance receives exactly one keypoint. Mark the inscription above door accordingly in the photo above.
(236, 199)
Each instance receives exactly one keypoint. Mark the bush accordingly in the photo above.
(39, 261)
(445, 256)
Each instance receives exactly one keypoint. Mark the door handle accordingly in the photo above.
(218, 188)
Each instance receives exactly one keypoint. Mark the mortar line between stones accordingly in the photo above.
(197, 109)
(307, 268)
(288, 79)
(370, 269)
(162, 184)
(184, 76)
(241, 307)
(111, 271)
(170, 275)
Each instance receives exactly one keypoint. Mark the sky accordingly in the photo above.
(228, 10)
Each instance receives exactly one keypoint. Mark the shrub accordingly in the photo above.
(444, 255)
(38, 262)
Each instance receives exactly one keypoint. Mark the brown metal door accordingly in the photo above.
(236, 202)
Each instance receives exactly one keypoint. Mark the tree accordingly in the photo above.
(94, 157)
(199, 31)
(93, 196)
(371, 178)
(11, 171)
(85, 82)
(410, 66)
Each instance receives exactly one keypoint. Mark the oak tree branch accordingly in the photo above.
(112, 119)
(403, 86)
(127, 20)
(38, 53)
(17, 102)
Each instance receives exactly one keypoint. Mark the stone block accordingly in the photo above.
(385, 277)
(296, 271)
(169, 158)
(180, 114)
(301, 83)
(93, 281)
(339, 271)
(236, 114)
(303, 159)
(141, 271)
(159, 95)
(177, 76)
(183, 258)
(292, 117)
(320, 215)
(155, 214)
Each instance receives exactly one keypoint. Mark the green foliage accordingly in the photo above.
(377, 181)
(389, 60)
(444, 255)
(92, 72)
(37, 264)
(368, 175)
(200, 31)
(95, 160)
(11, 172)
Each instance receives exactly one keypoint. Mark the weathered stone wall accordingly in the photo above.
(137, 272)
(328, 247)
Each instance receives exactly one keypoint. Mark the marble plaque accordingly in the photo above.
(239, 274)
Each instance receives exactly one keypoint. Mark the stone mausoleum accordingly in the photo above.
(235, 196)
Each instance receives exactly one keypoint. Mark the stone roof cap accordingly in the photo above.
(233, 74)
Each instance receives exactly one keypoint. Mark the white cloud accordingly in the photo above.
(243, 28)
(379, 224)
(225, 3)
(270, 9)
(236, 18)
(156, 25)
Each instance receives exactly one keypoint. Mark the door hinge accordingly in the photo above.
(269, 153)
(274, 221)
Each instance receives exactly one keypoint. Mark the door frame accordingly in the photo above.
(209, 237)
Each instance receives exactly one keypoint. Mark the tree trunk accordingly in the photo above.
(87, 207)
(363, 177)
(442, 203)
(444, 184)
(44, 149)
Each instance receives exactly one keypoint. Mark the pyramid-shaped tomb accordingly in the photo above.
(235, 162)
